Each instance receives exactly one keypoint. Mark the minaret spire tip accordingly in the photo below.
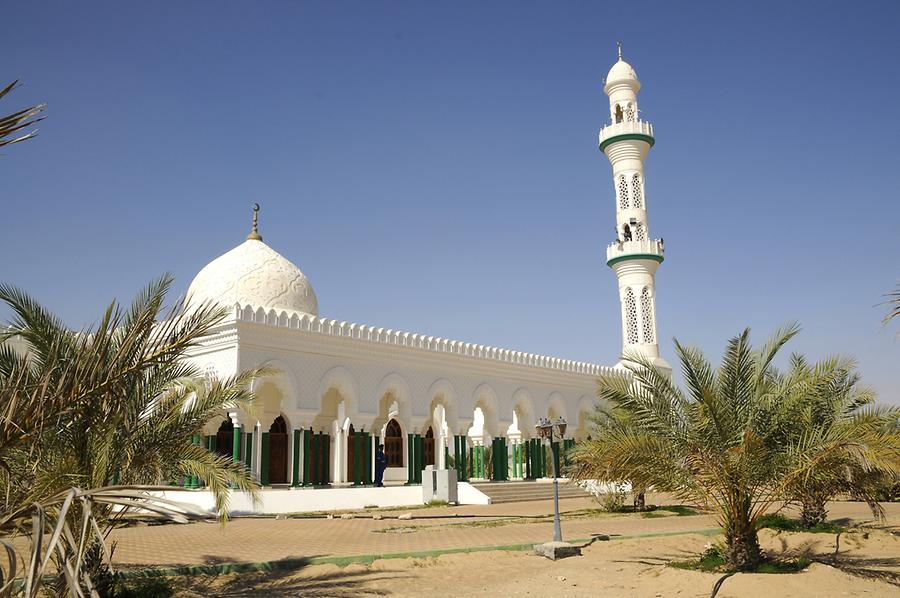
(254, 231)
(619, 47)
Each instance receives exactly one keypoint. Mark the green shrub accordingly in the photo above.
(781, 523)
(613, 501)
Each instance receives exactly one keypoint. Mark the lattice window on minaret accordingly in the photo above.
(637, 194)
(631, 318)
(647, 316)
(622, 192)
(630, 113)
(640, 233)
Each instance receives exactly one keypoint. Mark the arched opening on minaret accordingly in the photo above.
(626, 233)
(619, 114)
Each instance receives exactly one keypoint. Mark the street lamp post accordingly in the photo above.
(545, 429)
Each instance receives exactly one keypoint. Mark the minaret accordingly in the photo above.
(634, 255)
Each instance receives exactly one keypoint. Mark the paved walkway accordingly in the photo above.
(443, 528)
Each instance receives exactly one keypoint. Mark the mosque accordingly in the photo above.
(342, 388)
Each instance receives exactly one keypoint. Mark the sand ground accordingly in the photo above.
(867, 564)
(633, 563)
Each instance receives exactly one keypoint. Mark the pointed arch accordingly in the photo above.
(393, 388)
(523, 408)
(556, 407)
(443, 392)
(485, 397)
(340, 379)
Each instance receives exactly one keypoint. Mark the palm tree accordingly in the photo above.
(720, 443)
(115, 403)
(15, 122)
(732, 440)
(845, 437)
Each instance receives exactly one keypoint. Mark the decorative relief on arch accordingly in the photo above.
(637, 192)
(631, 323)
(622, 192)
(630, 113)
(647, 315)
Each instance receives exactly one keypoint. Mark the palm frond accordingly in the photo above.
(21, 119)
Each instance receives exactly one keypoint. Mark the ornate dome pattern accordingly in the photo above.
(254, 274)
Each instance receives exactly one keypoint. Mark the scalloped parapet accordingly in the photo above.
(650, 249)
(626, 130)
(399, 338)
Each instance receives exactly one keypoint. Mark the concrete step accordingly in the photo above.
(518, 491)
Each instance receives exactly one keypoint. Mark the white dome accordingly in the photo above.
(254, 274)
(621, 71)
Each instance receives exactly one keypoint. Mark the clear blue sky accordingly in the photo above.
(433, 167)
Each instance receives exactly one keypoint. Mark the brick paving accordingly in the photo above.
(259, 539)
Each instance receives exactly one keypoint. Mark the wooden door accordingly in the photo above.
(393, 444)
(429, 447)
(225, 439)
(278, 452)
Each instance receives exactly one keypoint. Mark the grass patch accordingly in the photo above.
(712, 561)
(679, 510)
(784, 566)
(669, 511)
(707, 562)
(783, 524)
(716, 564)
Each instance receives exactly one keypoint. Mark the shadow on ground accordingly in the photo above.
(292, 581)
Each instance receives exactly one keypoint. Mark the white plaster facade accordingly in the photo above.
(333, 374)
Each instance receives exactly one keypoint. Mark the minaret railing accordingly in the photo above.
(649, 246)
(624, 128)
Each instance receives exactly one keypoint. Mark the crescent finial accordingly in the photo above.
(254, 231)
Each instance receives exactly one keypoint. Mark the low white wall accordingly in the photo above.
(302, 500)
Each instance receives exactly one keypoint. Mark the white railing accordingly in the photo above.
(650, 246)
(623, 128)
(326, 326)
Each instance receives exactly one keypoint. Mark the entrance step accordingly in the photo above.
(526, 490)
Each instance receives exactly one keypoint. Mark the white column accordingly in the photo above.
(257, 451)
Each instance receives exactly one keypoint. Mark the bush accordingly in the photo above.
(613, 501)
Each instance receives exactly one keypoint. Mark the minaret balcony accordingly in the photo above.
(626, 130)
(651, 249)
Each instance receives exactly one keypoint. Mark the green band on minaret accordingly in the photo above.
(624, 136)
